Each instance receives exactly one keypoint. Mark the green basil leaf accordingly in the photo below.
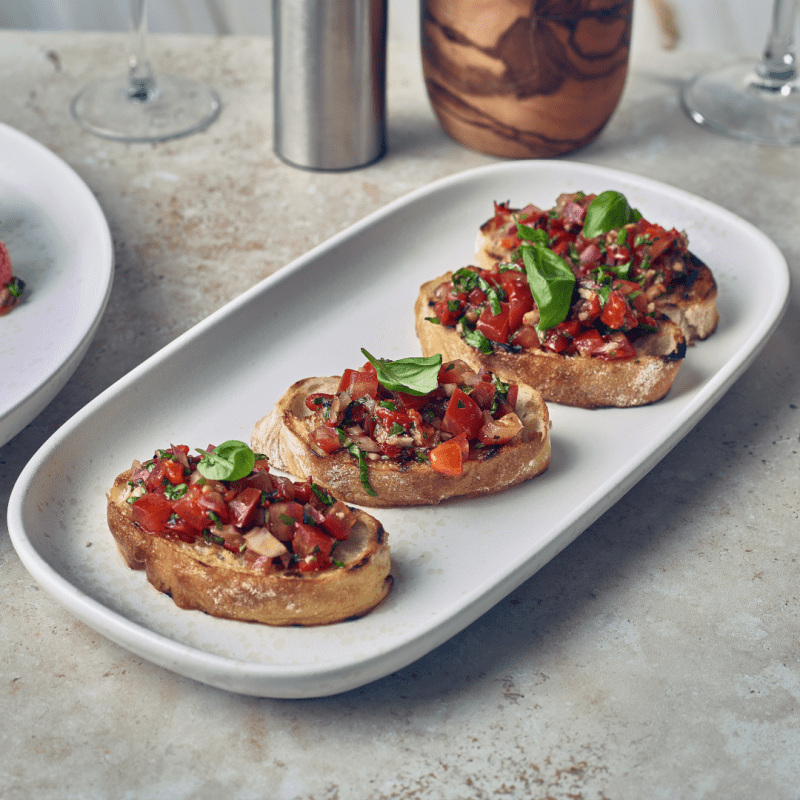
(533, 235)
(465, 280)
(607, 212)
(477, 340)
(230, 461)
(551, 282)
(415, 375)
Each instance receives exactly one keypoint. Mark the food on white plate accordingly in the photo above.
(221, 534)
(575, 302)
(11, 287)
(593, 232)
(412, 431)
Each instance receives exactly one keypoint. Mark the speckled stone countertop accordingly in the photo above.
(586, 682)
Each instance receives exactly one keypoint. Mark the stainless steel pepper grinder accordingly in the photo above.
(329, 82)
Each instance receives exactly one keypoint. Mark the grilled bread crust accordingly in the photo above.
(692, 304)
(283, 435)
(569, 380)
(209, 578)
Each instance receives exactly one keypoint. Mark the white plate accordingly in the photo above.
(451, 563)
(60, 246)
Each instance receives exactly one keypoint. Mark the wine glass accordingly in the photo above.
(761, 102)
(143, 108)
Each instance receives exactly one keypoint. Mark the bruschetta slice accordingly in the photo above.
(221, 534)
(413, 431)
(598, 350)
(594, 232)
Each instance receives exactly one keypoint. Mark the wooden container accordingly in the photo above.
(525, 78)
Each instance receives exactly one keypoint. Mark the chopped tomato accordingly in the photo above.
(525, 337)
(325, 438)
(152, 511)
(453, 371)
(446, 458)
(338, 521)
(618, 347)
(389, 418)
(282, 519)
(243, 506)
(446, 314)
(188, 509)
(483, 393)
(215, 503)
(494, 326)
(312, 546)
(614, 310)
(588, 342)
(463, 414)
(318, 400)
(409, 401)
(359, 384)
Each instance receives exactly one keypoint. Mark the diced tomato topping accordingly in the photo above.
(445, 314)
(555, 340)
(589, 342)
(463, 414)
(282, 519)
(318, 400)
(409, 401)
(526, 337)
(243, 507)
(513, 394)
(483, 393)
(338, 521)
(188, 508)
(312, 546)
(494, 326)
(359, 384)
(614, 310)
(325, 438)
(152, 511)
(617, 348)
(453, 372)
(215, 503)
(499, 431)
(446, 458)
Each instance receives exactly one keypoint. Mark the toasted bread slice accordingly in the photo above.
(283, 435)
(572, 380)
(209, 578)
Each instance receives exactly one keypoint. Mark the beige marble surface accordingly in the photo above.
(657, 656)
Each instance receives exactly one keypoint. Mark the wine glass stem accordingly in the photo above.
(140, 72)
(777, 65)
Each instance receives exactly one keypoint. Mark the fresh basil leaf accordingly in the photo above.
(465, 280)
(607, 212)
(533, 235)
(415, 375)
(477, 340)
(229, 461)
(624, 270)
(551, 282)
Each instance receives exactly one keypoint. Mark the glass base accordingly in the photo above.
(732, 100)
(175, 107)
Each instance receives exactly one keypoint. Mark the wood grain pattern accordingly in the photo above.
(525, 78)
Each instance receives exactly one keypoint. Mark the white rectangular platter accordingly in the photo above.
(451, 563)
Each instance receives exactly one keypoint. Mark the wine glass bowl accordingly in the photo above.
(143, 107)
(757, 102)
